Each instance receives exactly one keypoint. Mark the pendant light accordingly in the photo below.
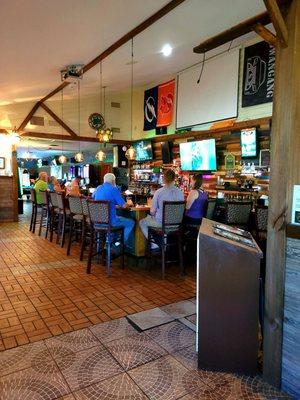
(130, 152)
(62, 158)
(105, 134)
(78, 156)
(100, 155)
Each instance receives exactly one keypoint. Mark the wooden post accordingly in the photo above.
(285, 172)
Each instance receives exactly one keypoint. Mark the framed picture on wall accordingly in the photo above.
(2, 163)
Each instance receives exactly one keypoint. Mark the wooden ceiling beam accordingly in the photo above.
(43, 135)
(58, 89)
(28, 117)
(58, 120)
(267, 35)
(278, 21)
(238, 30)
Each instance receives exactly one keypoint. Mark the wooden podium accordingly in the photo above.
(227, 302)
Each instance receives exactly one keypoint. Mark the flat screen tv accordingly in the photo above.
(143, 150)
(248, 143)
(198, 156)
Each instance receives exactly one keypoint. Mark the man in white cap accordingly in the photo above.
(109, 192)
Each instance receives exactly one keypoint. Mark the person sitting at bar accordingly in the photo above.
(54, 185)
(168, 192)
(196, 202)
(109, 192)
(73, 189)
(40, 184)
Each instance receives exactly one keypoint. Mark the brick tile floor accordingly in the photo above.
(44, 293)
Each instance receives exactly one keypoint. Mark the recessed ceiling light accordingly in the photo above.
(167, 50)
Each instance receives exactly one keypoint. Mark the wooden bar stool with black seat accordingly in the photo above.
(35, 208)
(169, 235)
(76, 220)
(237, 213)
(63, 213)
(103, 233)
(54, 212)
(45, 212)
(86, 226)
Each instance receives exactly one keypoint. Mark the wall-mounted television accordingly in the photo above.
(198, 156)
(248, 143)
(143, 150)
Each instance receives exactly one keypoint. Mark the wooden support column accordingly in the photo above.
(285, 172)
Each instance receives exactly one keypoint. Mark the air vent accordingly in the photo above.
(38, 121)
(116, 130)
(114, 104)
(52, 122)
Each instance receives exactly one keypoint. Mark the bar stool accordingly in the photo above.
(62, 218)
(169, 235)
(54, 212)
(102, 233)
(237, 213)
(76, 220)
(35, 208)
(45, 212)
(86, 226)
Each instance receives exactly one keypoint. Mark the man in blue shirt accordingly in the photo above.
(109, 192)
(168, 192)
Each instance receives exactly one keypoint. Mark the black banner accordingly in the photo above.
(150, 108)
(259, 72)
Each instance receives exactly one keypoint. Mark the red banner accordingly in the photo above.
(165, 105)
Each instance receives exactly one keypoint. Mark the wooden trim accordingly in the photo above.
(277, 20)
(293, 231)
(43, 135)
(28, 117)
(232, 33)
(57, 119)
(237, 31)
(267, 35)
(210, 132)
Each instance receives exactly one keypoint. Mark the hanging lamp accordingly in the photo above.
(131, 152)
(78, 156)
(105, 134)
(100, 155)
(62, 158)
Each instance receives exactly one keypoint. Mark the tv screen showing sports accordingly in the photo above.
(198, 156)
(143, 150)
(248, 143)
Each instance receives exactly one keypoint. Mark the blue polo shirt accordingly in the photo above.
(110, 193)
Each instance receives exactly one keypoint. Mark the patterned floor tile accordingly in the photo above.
(150, 318)
(33, 355)
(180, 309)
(30, 384)
(254, 388)
(135, 350)
(187, 323)
(75, 341)
(173, 336)
(67, 397)
(162, 379)
(120, 387)
(86, 367)
(187, 356)
(112, 330)
(192, 319)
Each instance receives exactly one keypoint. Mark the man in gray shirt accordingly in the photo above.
(168, 192)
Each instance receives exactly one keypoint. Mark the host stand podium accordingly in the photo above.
(227, 302)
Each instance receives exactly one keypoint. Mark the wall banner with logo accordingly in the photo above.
(259, 73)
(165, 106)
(150, 108)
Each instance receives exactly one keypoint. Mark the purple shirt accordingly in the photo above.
(166, 193)
(199, 206)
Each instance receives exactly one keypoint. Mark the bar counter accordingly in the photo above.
(137, 242)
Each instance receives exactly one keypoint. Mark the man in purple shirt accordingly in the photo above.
(168, 192)
(109, 192)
